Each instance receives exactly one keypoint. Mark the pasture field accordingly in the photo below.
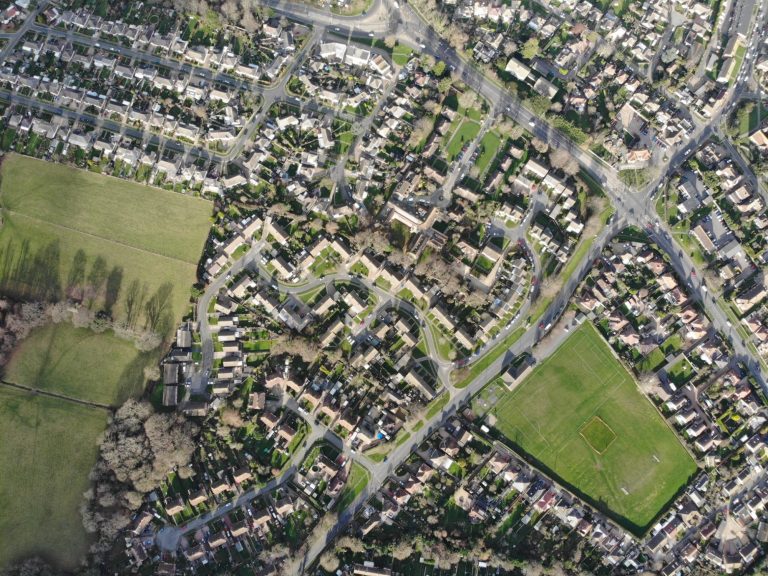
(580, 416)
(115, 246)
(48, 448)
(152, 219)
(71, 233)
(80, 363)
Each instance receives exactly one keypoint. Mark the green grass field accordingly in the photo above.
(48, 448)
(490, 146)
(438, 404)
(748, 122)
(356, 482)
(580, 416)
(71, 361)
(65, 229)
(741, 51)
(401, 54)
(66, 233)
(597, 434)
(465, 133)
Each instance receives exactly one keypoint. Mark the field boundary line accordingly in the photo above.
(110, 240)
(38, 392)
(597, 418)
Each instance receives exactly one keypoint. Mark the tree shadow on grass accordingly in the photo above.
(31, 274)
(130, 384)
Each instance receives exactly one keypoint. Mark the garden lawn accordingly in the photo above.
(581, 417)
(681, 372)
(48, 448)
(80, 363)
(53, 214)
(652, 361)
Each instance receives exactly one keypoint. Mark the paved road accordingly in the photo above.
(14, 37)
(169, 538)
(635, 208)
(400, 453)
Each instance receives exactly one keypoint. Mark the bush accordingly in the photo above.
(567, 127)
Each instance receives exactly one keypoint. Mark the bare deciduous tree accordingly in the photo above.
(421, 130)
(230, 11)
(248, 22)
(468, 99)
(539, 145)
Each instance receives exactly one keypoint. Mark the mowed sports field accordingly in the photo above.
(50, 212)
(581, 415)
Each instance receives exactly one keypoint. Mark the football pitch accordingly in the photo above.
(580, 416)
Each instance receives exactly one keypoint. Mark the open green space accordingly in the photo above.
(352, 7)
(490, 146)
(152, 219)
(402, 437)
(465, 133)
(749, 117)
(466, 376)
(638, 472)
(635, 177)
(437, 404)
(356, 482)
(48, 448)
(741, 51)
(401, 54)
(74, 234)
(118, 247)
(585, 243)
(79, 363)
